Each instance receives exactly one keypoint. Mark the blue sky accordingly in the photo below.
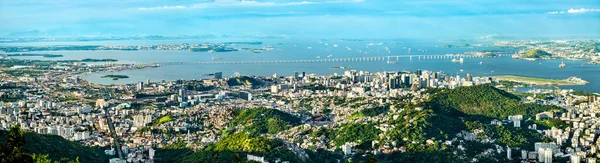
(302, 18)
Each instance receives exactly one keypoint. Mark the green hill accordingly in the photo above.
(452, 108)
(483, 100)
(263, 120)
(235, 147)
(243, 80)
(536, 53)
(57, 148)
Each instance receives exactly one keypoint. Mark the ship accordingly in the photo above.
(392, 62)
(562, 64)
(318, 57)
(461, 60)
(216, 59)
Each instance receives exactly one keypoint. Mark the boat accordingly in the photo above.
(392, 62)
(329, 56)
(216, 59)
(480, 62)
(461, 70)
(318, 57)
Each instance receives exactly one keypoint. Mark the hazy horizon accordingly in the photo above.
(315, 19)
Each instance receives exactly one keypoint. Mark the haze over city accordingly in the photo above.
(462, 19)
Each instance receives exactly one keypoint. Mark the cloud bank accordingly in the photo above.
(574, 11)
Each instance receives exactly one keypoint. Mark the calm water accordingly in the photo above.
(293, 49)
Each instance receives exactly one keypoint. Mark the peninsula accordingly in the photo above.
(542, 81)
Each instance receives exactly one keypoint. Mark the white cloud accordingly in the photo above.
(245, 3)
(574, 11)
(582, 10)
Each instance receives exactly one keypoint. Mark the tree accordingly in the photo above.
(12, 149)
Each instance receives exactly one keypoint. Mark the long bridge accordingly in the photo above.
(351, 59)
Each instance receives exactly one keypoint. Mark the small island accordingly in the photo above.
(98, 60)
(115, 77)
(541, 81)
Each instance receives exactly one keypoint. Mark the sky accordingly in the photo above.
(301, 18)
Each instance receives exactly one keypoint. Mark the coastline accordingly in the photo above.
(541, 81)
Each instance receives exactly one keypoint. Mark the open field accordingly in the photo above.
(538, 81)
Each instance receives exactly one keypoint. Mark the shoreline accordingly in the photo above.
(541, 81)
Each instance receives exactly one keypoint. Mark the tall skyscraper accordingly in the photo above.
(419, 72)
(140, 86)
(406, 81)
(296, 75)
(182, 94)
(469, 77)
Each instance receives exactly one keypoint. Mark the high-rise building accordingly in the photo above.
(523, 154)
(469, 77)
(296, 75)
(274, 89)
(182, 94)
(508, 153)
(151, 153)
(140, 85)
(541, 154)
(575, 158)
(406, 81)
(147, 81)
(419, 72)
(548, 156)
(394, 82)
(218, 75)
(246, 95)
(347, 149)
(303, 74)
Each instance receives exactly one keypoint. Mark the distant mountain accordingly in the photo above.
(31, 33)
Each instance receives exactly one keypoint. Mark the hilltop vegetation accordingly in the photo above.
(21, 146)
(235, 147)
(483, 100)
(263, 120)
(243, 80)
(536, 53)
